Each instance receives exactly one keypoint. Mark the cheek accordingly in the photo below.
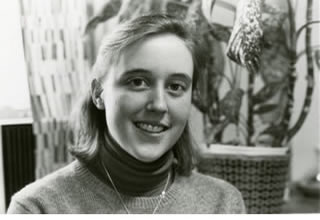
(123, 105)
(180, 109)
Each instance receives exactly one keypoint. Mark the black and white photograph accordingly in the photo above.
(159, 107)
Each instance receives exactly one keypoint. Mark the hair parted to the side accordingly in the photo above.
(89, 123)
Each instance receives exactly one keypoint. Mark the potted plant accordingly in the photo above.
(247, 95)
(256, 159)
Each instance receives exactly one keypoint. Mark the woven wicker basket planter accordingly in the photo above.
(259, 173)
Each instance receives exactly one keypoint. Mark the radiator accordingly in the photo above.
(18, 157)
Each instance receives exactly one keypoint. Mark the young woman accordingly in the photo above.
(133, 151)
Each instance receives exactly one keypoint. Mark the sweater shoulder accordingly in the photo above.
(205, 181)
(224, 197)
(48, 184)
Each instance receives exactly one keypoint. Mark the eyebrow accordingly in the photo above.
(134, 71)
(181, 76)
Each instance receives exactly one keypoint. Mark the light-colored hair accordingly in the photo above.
(89, 123)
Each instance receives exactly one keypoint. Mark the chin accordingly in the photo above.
(148, 158)
(149, 155)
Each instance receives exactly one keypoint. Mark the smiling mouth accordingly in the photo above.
(151, 128)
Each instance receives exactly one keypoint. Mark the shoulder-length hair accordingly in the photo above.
(89, 123)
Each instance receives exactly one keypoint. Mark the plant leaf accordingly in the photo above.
(177, 8)
(281, 100)
(211, 132)
(265, 108)
(231, 104)
(198, 102)
(245, 43)
(109, 10)
(220, 32)
(266, 93)
(130, 9)
(275, 131)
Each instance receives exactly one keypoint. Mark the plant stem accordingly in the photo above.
(284, 124)
(250, 107)
(313, 48)
(306, 25)
(310, 77)
(292, 24)
(204, 121)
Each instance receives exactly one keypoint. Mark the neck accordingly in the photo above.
(130, 175)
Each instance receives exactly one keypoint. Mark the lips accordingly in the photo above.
(151, 127)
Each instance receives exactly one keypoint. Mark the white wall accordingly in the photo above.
(13, 76)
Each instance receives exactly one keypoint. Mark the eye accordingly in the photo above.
(137, 83)
(177, 88)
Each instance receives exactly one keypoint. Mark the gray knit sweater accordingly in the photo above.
(74, 189)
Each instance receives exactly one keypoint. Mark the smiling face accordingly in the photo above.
(147, 96)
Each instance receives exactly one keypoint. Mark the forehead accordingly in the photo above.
(164, 53)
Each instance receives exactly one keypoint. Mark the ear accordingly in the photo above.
(96, 91)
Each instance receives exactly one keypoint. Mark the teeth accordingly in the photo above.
(150, 128)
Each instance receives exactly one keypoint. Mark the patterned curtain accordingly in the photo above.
(58, 63)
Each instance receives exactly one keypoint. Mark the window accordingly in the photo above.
(14, 93)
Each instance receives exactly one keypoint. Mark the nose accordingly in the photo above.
(157, 101)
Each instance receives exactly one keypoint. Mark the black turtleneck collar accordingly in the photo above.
(130, 175)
